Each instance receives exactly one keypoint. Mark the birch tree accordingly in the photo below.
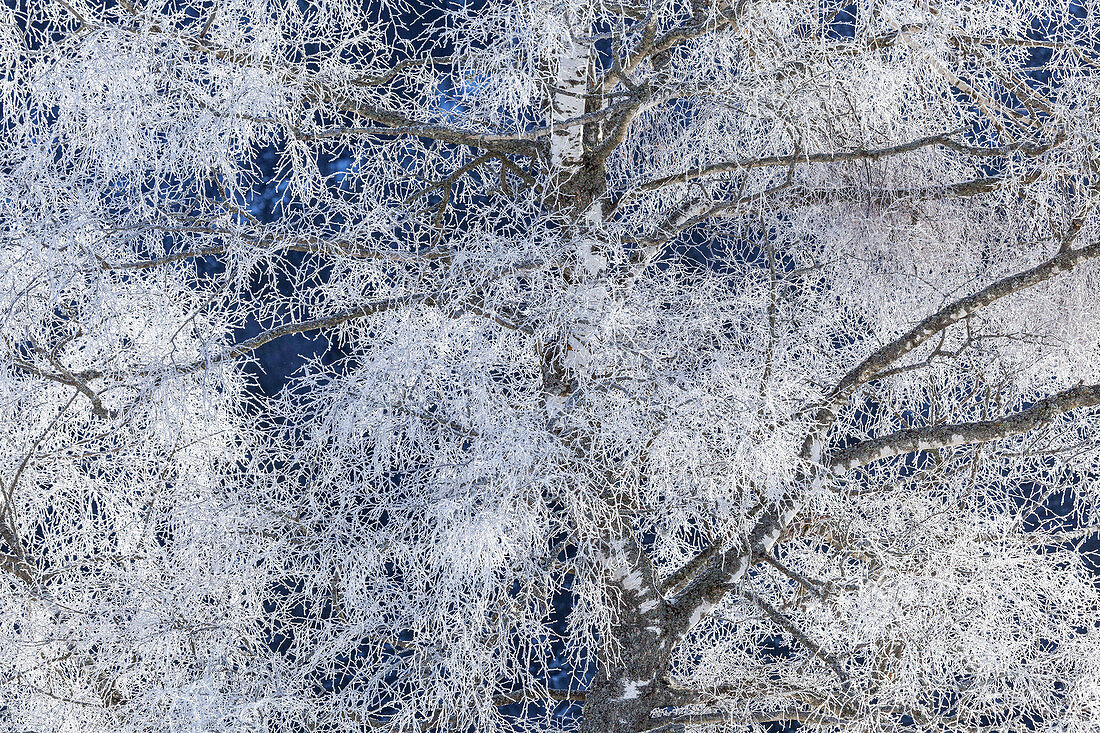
(761, 334)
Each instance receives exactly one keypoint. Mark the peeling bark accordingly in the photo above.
(620, 699)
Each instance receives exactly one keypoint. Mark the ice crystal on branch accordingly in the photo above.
(690, 366)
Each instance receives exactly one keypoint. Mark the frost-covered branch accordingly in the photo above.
(881, 359)
(960, 434)
(547, 694)
(611, 276)
(945, 140)
(313, 324)
(804, 716)
(800, 636)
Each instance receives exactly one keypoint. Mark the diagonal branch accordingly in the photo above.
(314, 324)
(959, 434)
(789, 626)
(946, 316)
(710, 576)
(704, 587)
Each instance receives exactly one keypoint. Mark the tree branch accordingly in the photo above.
(547, 694)
(801, 715)
(343, 316)
(313, 324)
(395, 123)
(959, 434)
(721, 570)
(950, 314)
(787, 625)
(314, 245)
(941, 139)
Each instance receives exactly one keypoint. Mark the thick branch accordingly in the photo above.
(676, 582)
(698, 26)
(722, 570)
(958, 434)
(701, 586)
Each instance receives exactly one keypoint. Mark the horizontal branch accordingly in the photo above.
(399, 67)
(828, 714)
(395, 123)
(717, 717)
(789, 195)
(242, 348)
(940, 139)
(312, 245)
(391, 123)
(526, 142)
(521, 695)
(800, 196)
(959, 434)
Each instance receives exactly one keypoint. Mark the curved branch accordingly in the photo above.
(709, 577)
(348, 314)
(959, 434)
